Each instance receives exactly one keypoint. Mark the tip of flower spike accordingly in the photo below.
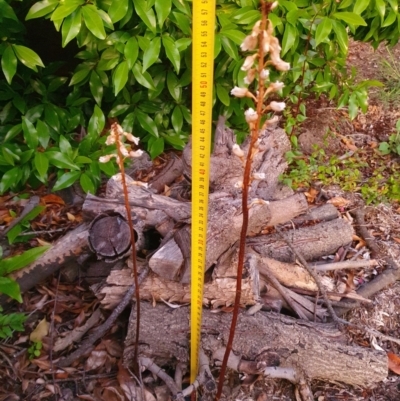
(251, 115)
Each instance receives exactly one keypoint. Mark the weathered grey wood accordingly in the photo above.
(168, 174)
(62, 253)
(167, 261)
(314, 348)
(312, 242)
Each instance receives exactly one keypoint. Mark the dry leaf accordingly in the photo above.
(394, 363)
(311, 195)
(43, 242)
(71, 217)
(42, 329)
(396, 239)
(338, 201)
(96, 359)
(51, 198)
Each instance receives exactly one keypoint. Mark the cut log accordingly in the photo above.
(312, 242)
(314, 348)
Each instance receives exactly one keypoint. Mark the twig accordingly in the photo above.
(359, 215)
(101, 330)
(283, 292)
(313, 274)
(32, 203)
(348, 264)
(53, 376)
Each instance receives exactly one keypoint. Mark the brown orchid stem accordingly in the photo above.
(265, 8)
(132, 233)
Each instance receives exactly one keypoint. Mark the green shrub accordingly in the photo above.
(135, 65)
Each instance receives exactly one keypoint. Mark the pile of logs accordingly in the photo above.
(161, 213)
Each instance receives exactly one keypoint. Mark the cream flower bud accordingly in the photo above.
(256, 28)
(266, 42)
(264, 74)
(124, 151)
(237, 150)
(259, 176)
(248, 62)
(249, 43)
(277, 106)
(276, 86)
(136, 153)
(118, 128)
(251, 115)
(110, 139)
(238, 184)
(249, 78)
(239, 92)
(106, 158)
(274, 5)
(282, 66)
(131, 138)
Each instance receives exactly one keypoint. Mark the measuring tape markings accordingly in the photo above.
(202, 92)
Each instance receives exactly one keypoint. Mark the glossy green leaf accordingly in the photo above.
(96, 87)
(223, 94)
(163, 8)
(30, 133)
(323, 30)
(234, 35)
(289, 38)
(182, 22)
(87, 184)
(117, 10)
(146, 15)
(174, 87)
(350, 18)
(147, 123)
(156, 147)
(66, 180)
(43, 133)
(120, 77)
(27, 57)
(229, 47)
(172, 52)
(93, 21)
(10, 288)
(360, 6)
(390, 19)
(80, 75)
(150, 55)
(13, 132)
(131, 51)
(341, 36)
(9, 179)
(41, 8)
(60, 160)
(96, 123)
(118, 110)
(177, 119)
(380, 6)
(144, 79)
(41, 163)
(51, 117)
(9, 64)
(65, 9)
(71, 27)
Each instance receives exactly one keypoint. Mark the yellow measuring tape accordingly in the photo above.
(202, 92)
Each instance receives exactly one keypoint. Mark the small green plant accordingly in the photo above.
(393, 144)
(375, 183)
(35, 349)
(11, 322)
(9, 286)
(390, 76)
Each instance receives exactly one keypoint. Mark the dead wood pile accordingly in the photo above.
(162, 212)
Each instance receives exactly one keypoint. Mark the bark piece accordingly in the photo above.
(167, 261)
(313, 348)
(312, 242)
(168, 175)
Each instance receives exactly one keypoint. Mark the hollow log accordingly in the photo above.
(317, 349)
